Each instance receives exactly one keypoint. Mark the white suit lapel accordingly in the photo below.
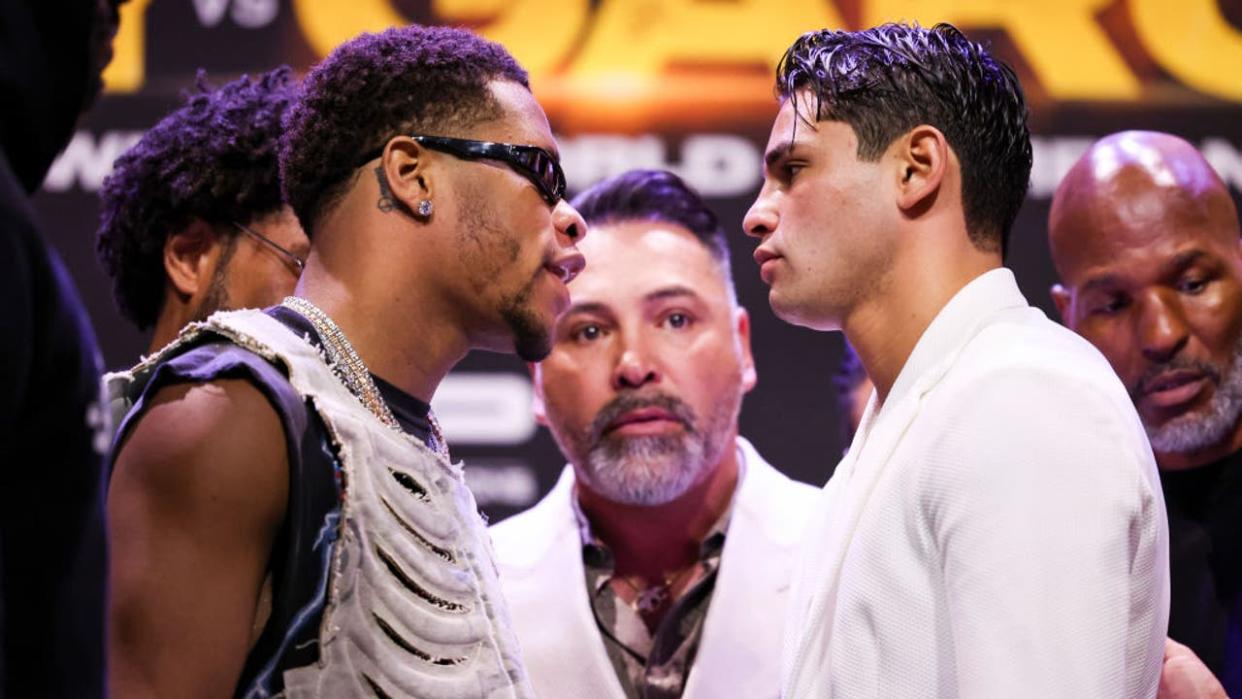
(846, 498)
(756, 567)
(548, 591)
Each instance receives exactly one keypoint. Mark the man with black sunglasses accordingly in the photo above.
(537, 165)
(193, 220)
(286, 516)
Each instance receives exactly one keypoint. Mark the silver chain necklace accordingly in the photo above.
(349, 368)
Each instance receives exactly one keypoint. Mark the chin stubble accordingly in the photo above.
(532, 340)
(650, 469)
(1204, 428)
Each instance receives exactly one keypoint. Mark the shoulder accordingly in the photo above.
(762, 474)
(1026, 338)
(218, 444)
(203, 360)
(1025, 365)
(523, 540)
(1030, 407)
(777, 504)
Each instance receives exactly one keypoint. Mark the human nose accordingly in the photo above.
(1162, 328)
(570, 228)
(635, 367)
(761, 219)
(569, 223)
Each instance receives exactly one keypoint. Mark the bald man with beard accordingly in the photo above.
(1145, 239)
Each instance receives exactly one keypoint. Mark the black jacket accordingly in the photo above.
(52, 432)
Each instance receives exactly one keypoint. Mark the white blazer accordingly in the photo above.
(996, 530)
(539, 553)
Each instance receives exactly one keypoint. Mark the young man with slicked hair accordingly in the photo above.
(996, 528)
(286, 516)
(659, 565)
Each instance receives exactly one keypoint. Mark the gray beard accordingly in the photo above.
(648, 469)
(653, 470)
(1204, 428)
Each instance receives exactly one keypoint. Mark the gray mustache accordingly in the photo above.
(623, 404)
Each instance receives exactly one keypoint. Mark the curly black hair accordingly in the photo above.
(430, 80)
(213, 159)
(886, 80)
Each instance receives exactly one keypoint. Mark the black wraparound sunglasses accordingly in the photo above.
(532, 162)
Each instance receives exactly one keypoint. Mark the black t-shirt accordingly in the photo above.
(53, 433)
(411, 413)
(1205, 561)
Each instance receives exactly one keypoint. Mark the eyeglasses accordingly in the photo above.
(532, 162)
(298, 263)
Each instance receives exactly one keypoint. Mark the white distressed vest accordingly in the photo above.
(414, 608)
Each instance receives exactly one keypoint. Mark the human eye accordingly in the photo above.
(586, 333)
(1109, 306)
(1192, 284)
(790, 169)
(678, 320)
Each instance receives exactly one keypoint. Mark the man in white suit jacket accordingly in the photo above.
(997, 527)
(659, 565)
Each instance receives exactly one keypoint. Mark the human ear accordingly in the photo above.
(404, 179)
(923, 158)
(1061, 298)
(190, 257)
(749, 376)
(536, 396)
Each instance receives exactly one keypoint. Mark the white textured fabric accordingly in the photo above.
(414, 608)
(540, 557)
(996, 530)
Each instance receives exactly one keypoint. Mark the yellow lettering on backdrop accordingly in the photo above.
(1060, 39)
(539, 33)
(472, 11)
(327, 24)
(1193, 42)
(646, 36)
(127, 70)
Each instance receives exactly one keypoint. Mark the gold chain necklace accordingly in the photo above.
(353, 373)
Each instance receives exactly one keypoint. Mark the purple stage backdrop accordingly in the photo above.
(684, 85)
